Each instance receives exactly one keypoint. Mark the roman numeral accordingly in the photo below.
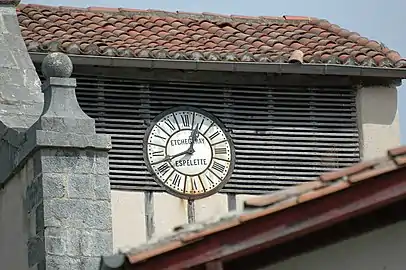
(218, 167)
(176, 180)
(220, 151)
(214, 135)
(164, 168)
(162, 138)
(201, 124)
(185, 120)
(194, 185)
(170, 125)
(208, 178)
(158, 153)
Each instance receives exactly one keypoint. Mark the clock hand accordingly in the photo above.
(171, 157)
(195, 134)
(190, 150)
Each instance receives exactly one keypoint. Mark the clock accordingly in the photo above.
(188, 152)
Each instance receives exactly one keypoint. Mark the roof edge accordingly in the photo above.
(254, 67)
(364, 197)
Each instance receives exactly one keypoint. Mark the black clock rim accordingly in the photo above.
(217, 122)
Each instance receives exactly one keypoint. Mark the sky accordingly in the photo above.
(381, 20)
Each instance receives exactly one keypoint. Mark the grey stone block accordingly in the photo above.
(102, 163)
(11, 23)
(19, 82)
(54, 185)
(90, 263)
(55, 262)
(73, 242)
(8, 60)
(77, 213)
(55, 245)
(58, 139)
(96, 243)
(102, 187)
(67, 124)
(73, 160)
(81, 186)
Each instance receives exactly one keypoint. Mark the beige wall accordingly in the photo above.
(14, 227)
(378, 120)
(129, 215)
(382, 249)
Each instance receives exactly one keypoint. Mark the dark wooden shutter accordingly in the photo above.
(282, 136)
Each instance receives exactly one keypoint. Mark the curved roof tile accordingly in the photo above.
(117, 32)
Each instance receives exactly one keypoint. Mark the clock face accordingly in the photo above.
(188, 152)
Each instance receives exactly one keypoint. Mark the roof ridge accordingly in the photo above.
(178, 14)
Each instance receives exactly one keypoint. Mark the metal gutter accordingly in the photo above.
(278, 68)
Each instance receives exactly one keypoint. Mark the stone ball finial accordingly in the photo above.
(10, 2)
(57, 64)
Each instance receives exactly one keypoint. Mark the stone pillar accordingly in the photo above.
(20, 92)
(68, 202)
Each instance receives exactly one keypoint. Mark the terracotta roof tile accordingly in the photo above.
(323, 191)
(268, 39)
(265, 205)
(334, 175)
(156, 251)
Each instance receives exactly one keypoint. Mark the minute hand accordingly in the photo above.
(190, 150)
(167, 158)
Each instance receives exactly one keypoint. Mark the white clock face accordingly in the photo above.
(188, 152)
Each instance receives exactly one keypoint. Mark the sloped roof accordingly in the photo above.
(270, 205)
(212, 37)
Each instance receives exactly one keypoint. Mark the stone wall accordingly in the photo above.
(70, 199)
(20, 88)
(54, 184)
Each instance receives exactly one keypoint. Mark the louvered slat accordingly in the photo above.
(282, 136)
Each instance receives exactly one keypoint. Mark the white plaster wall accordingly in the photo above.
(14, 224)
(169, 212)
(129, 217)
(378, 120)
(128, 211)
(382, 249)
(213, 206)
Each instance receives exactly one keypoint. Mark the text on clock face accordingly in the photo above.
(169, 143)
(185, 141)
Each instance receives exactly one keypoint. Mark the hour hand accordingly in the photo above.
(193, 136)
(195, 133)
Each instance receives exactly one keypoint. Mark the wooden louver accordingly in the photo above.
(282, 136)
